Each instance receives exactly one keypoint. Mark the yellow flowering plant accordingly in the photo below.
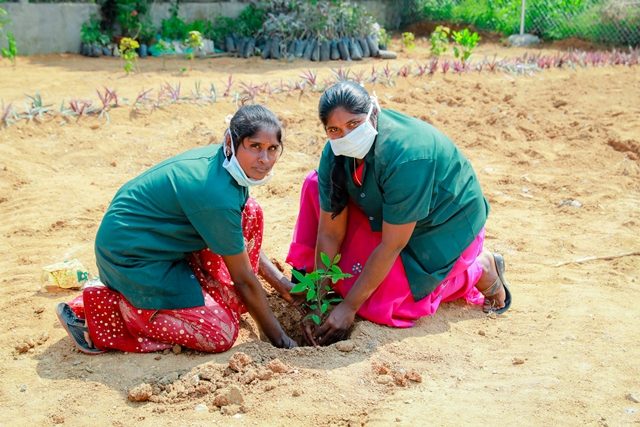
(408, 40)
(194, 41)
(128, 48)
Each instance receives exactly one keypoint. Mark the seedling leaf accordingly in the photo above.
(325, 259)
(299, 287)
(311, 294)
(298, 276)
(316, 319)
(324, 307)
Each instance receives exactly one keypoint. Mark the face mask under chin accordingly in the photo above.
(232, 166)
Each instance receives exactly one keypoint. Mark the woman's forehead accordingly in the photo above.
(265, 136)
(340, 116)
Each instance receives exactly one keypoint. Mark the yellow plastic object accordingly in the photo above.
(69, 274)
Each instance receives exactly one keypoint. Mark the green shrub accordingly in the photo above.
(439, 40)
(250, 20)
(408, 41)
(222, 25)
(130, 15)
(4, 18)
(465, 41)
(200, 25)
(90, 30)
(174, 28)
(384, 37)
(11, 51)
(437, 10)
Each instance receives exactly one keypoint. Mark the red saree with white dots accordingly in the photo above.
(115, 324)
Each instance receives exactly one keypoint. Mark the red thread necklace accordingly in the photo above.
(358, 173)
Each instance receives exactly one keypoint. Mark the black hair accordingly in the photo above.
(356, 100)
(249, 120)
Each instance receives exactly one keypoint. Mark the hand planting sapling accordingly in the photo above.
(315, 287)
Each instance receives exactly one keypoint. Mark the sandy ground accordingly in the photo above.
(567, 353)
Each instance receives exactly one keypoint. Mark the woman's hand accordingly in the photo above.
(272, 273)
(285, 342)
(250, 290)
(336, 326)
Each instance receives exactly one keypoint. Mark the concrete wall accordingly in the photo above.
(47, 27)
(55, 27)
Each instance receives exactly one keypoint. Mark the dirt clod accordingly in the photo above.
(238, 361)
(249, 376)
(413, 375)
(264, 374)
(380, 368)
(140, 393)
(278, 367)
(399, 378)
(345, 346)
(228, 396)
(384, 379)
(230, 410)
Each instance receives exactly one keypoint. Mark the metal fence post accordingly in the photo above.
(522, 17)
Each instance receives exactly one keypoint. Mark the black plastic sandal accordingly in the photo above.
(495, 288)
(75, 328)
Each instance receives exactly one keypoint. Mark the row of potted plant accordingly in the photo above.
(277, 29)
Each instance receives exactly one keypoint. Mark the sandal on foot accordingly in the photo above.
(497, 285)
(75, 328)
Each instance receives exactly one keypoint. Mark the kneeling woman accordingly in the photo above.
(403, 206)
(179, 249)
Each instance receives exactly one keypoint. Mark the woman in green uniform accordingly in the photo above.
(178, 250)
(404, 208)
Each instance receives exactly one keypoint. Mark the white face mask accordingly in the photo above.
(358, 142)
(235, 170)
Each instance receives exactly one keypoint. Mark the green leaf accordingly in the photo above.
(334, 300)
(311, 294)
(336, 259)
(313, 306)
(314, 275)
(324, 307)
(297, 275)
(325, 259)
(316, 319)
(299, 287)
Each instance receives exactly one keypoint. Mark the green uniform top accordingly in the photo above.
(184, 204)
(415, 173)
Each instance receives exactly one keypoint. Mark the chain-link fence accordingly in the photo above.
(603, 21)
